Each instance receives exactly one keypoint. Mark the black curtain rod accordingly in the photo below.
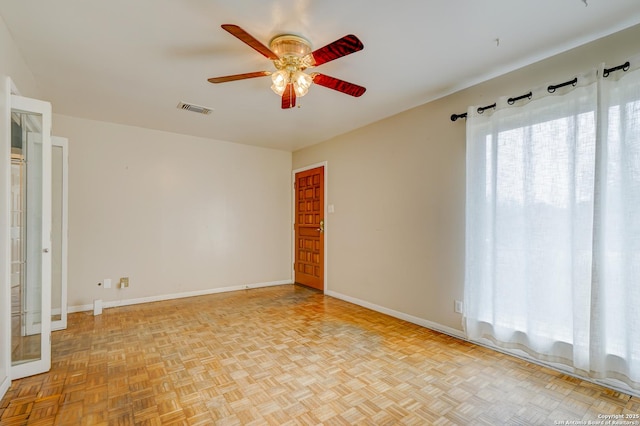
(550, 89)
(624, 67)
(480, 110)
(484, 108)
(553, 87)
(512, 101)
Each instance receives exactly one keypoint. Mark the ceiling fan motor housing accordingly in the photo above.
(293, 52)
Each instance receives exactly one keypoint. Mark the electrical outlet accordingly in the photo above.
(124, 282)
(457, 306)
(107, 283)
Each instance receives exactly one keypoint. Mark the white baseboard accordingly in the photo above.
(400, 315)
(161, 297)
(612, 384)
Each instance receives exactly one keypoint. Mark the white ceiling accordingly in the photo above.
(131, 62)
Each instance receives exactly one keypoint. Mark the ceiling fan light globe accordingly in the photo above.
(300, 91)
(301, 83)
(280, 80)
(277, 90)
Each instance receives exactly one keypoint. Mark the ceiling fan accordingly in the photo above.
(291, 55)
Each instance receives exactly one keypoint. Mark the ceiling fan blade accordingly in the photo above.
(248, 39)
(288, 97)
(339, 48)
(235, 77)
(337, 84)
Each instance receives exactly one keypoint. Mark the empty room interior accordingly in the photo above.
(298, 212)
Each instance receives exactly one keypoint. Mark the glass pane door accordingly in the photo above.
(30, 236)
(59, 233)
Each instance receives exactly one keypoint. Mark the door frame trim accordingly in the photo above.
(325, 165)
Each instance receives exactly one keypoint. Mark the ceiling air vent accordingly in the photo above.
(194, 108)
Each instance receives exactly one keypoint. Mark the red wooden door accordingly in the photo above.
(309, 228)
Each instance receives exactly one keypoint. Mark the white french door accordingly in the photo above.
(30, 236)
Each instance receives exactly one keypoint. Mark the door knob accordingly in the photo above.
(321, 229)
(45, 250)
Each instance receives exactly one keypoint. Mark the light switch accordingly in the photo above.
(107, 283)
(330, 208)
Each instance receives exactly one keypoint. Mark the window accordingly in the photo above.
(553, 226)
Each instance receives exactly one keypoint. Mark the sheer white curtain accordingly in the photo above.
(615, 304)
(553, 225)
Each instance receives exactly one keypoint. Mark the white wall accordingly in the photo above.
(11, 65)
(396, 239)
(177, 214)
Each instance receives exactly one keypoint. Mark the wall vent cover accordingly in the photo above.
(194, 108)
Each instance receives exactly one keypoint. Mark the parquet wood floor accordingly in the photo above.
(287, 355)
